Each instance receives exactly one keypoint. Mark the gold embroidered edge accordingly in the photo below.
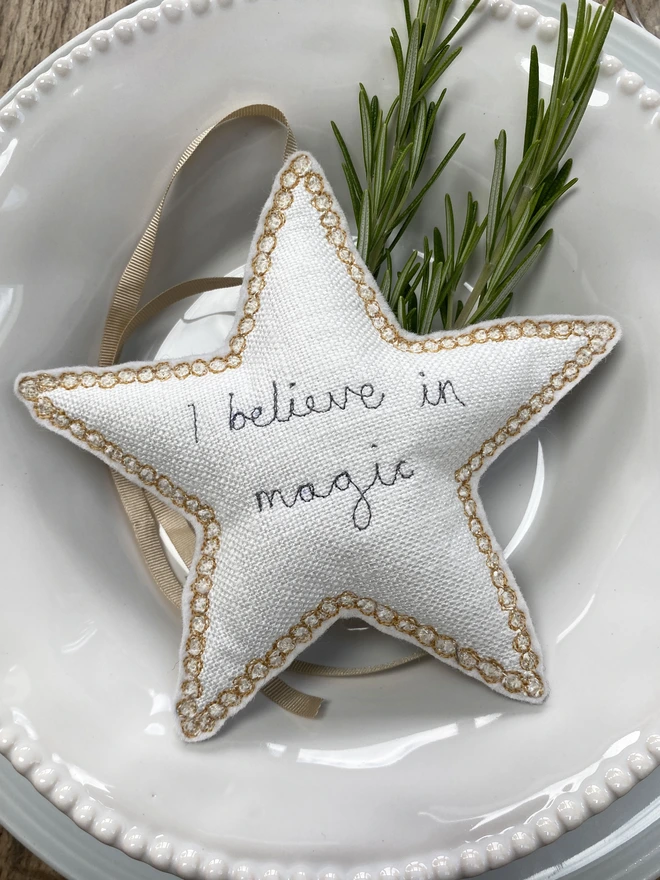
(195, 721)
(206, 719)
(202, 580)
(596, 345)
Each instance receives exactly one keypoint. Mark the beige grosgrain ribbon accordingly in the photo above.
(145, 511)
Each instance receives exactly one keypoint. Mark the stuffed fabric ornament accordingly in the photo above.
(329, 462)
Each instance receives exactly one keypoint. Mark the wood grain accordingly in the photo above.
(29, 31)
(18, 863)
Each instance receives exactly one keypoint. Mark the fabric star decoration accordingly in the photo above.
(329, 462)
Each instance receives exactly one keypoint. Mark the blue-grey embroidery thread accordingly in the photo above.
(362, 513)
(443, 386)
(194, 411)
(279, 413)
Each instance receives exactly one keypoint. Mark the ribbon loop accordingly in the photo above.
(129, 291)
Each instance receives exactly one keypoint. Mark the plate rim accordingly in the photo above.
(47, 63)
(13, 111)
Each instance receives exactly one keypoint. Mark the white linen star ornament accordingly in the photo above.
(329, 462)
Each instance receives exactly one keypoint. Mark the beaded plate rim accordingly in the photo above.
(22, 100)
(182, 857)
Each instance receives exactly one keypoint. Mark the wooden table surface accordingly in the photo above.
(29, 31)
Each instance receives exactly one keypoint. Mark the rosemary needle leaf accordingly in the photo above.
(354, 191)
(398, 54)
(495, 201)
(404, 278)
(560, 57)
(462, 21)
(492, 310)
(406, 8)
(532, 99)
(401, 314)
(365, 226)
(374, 110)
(349, 168)
(386, 281)
(367, 136)
(416, 202)
(419, 136)
(437, 69)
(577, 35)
(379, 161)
(438, 248)
(449, 225)
(409, 81)
(470, 215)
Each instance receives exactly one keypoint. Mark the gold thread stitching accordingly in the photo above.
(597, 335)
(195, 720)
(201, 585)
(446, 647)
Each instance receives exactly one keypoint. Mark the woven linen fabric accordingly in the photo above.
(329, 462)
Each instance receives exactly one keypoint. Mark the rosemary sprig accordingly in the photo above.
(396, 145)
(516, 215)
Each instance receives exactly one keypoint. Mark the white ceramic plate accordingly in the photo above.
(417, 771)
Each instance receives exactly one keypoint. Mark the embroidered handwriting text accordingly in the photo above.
(284, 407)
(343, 482)
(194, 412)
(445, 393)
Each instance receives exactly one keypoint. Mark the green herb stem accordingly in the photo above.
(391, 183)
(514, 222)
(388, 190)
